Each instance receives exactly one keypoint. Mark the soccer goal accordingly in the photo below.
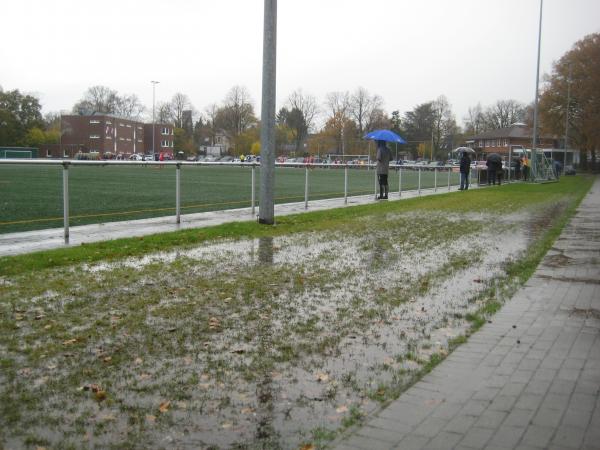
(16, 154)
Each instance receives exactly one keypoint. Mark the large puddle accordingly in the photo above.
(270, 342)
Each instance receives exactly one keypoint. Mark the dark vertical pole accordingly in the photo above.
(267, 133)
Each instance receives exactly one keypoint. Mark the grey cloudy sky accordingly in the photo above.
(408, 52)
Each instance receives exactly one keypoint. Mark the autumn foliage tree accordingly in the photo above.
(579, 68)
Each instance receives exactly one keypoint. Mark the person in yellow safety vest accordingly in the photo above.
(525, 162)
(242, 158)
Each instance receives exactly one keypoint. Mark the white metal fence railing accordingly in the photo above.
(450, 173)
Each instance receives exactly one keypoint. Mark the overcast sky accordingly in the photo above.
(408, 52)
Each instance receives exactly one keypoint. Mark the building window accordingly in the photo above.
(94, 121)
(108, 137)
(139, 128)
(165, 131)
(94, 136)
(121, 139)
(129, 139)
(128, 126)
(121, 124)
(108, 122)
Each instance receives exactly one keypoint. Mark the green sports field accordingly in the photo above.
(31, 196)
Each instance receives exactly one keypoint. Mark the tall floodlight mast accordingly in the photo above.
(267, 132)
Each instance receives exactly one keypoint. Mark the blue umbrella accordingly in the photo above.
(384, 135)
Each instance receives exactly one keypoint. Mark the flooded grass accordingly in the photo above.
(273, 342)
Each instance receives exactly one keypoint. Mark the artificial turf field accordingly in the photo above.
(31, 195)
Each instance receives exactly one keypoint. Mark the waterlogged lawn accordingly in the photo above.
(218, 339)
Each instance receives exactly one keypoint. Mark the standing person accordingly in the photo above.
(491, 171)
(557, 166)
(518, 169)
(525, 162)
(383, 166)
(465, 168)
(161, 158)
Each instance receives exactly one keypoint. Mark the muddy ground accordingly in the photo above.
(267, 343)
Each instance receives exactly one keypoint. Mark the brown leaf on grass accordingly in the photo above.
(25, 371)
(138, 361)
(47, 327)
(19, 317)
(214, 323)
(322, 377)
(226, 425)
(187, 360)
(164, 406)
(100, 395)
(107, 359)
(144, 376)
(150, 418)
(308, 447)
(70, 341)
(341, 409)
(247, 410)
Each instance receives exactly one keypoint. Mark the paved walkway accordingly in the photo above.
(528, 380)
(32, 241)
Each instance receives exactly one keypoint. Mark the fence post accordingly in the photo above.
(435, 179)
(449, 171)
(305, 186)
(419, 188)
(400, 182)
(178, 193)
(376, 180)
(66, 200)
(253, 195)
(346, 185)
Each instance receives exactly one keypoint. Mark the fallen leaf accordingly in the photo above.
(19, 316)
(51, 366)
(138, 361)
(144, 376)
(107, 359)
(164, 406)
(100, 395)
(47, 327)
(187, 360)
(39, 317)
(70, 341)
(322, 377)
(247, 410)
(151, 418)
(308, 447)
(341, 409)
(226, 425)
(25, 371)
(181, 405)
(228, 299)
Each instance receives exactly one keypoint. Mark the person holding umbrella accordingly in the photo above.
(465, 168)
(383, 165)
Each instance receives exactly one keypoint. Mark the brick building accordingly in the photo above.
(110, 135)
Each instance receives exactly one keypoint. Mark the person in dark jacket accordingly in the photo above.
(465, 168)
(518, 169)
(383, 165)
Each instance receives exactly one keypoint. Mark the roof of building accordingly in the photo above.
(516, 130)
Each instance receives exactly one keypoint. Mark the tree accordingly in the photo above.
(503, 114)
(18, 114)
(443, 126)
(337, 106)
(475, 120)
(306, 104)
(294, 120)
(418, 125)
(179, 103)
(129, 107)
(237, 113)
(164, 113)
(579, 67)
(97, 99)
(365, 109)
(103, 100)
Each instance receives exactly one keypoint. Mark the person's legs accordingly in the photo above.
(463, 177)
(386, 187)
(380, 179)
(466, 181)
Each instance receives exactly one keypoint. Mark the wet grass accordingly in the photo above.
(209, 338)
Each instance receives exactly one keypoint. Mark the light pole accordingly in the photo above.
(535, 110)
(154, 83)
(267, 133)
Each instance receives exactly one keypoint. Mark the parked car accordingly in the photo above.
(226, 159)
(136, 157)
(570, 170)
